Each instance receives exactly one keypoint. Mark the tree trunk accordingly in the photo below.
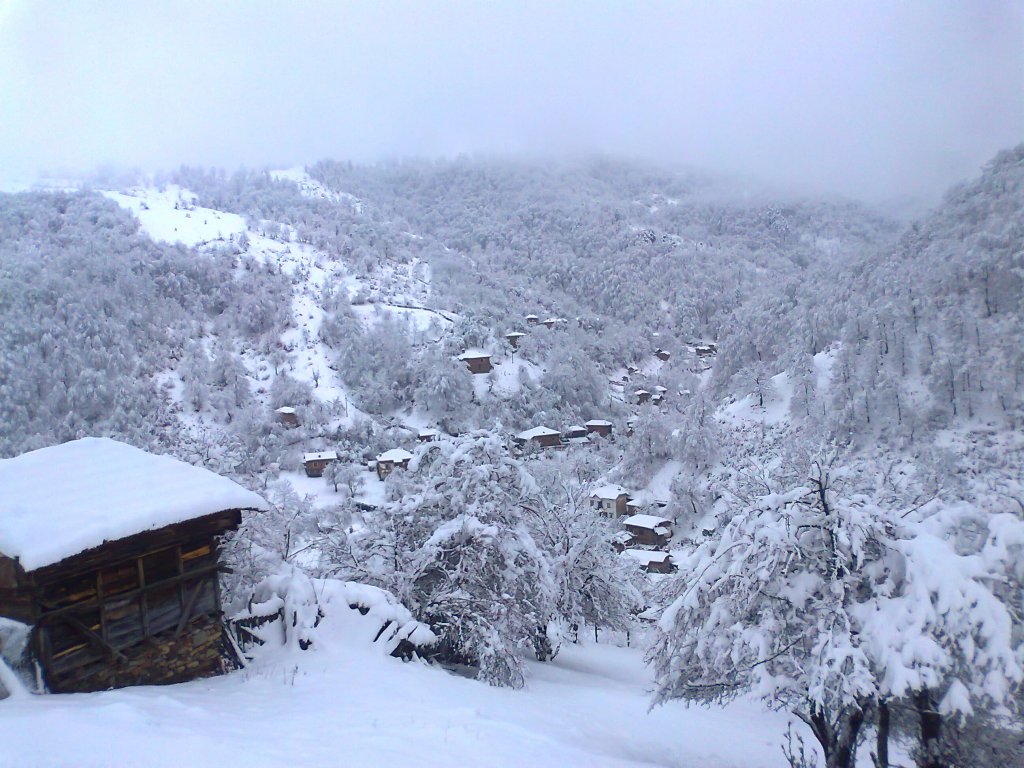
(838, 742)
(930, 755)
(882, 737)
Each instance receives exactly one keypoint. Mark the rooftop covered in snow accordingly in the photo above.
(610, 492)
(474, 354)
(647, 521)
(62, 500)
(540, 431)
(648, 556)
(320, 456)
(396, 455)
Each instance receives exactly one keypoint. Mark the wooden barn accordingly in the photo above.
(476, 361)
(650, 530)
(389, 461)
(513, 338)
(316, 463)
(599, 427)
(110, 555)
(287, 415)
(652, 561)
(541, 436)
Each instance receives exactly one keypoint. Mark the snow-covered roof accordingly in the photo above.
(396, 455)
(62, 500)
(610, 492)
(541, 431)
(598, 423)
(531, 317)
(285, 409)
(647, 521)
(647, 556)
(474, 354)
(622, 537)
(575, 428)
(517, 334)
(320, 456)
(428, 433)
(660, 388)
(641, 392)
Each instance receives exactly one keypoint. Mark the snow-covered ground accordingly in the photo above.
(346, 703)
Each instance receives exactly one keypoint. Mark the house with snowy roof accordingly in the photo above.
(541, 436)
(287, 415)
(599, 427)
(642, 396)
(109, 559)
(389, 461)
(476, 360)
(532, 319)
(652, 561)
(576, 435)
(513, 338)
(649, 530)
(315, 463)
(428, 435)
(609, 500)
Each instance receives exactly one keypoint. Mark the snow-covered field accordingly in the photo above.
(346, 703)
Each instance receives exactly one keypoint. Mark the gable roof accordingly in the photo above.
(647, 556)
(64, 499)
(397, 455)
(610, 492)
(320, 456)
(540, 431)
(646, 521)
(474, 354)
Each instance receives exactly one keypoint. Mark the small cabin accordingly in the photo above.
(610, 500)
(287, 416)
(540, 436)
(553, 322)
(642, 396)
(532, 319)
(621, 541)
(428, 435)
(652, 561)
(576, 435)
(706, 350)
(389, 461)
(649, 530)
(662, 354)
(513, 338)
(599, 427)
(476, 361)
(109, 555)
(316, 463)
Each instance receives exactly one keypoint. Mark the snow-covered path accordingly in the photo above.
(347, 704)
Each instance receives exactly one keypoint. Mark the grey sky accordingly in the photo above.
(870, 99)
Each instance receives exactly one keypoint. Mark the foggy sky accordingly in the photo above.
(870, 99)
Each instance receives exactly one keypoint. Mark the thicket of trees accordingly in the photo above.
(855, 556)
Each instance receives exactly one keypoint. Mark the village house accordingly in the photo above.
(652, 561)
(642, 396)
(621, 540)
(316, 463)
(428, 435)
(609, 500)
(552, 322)
(643, 503)
(706, 350)
(532, 319)
(541, 436)
(389, 461)
(662, 354)
(287, 415)
(476, 361)
(576, 435)
(649, 530)
(599, 427)
(513, 338)
(109, 555)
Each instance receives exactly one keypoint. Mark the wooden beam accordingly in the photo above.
(186, 612)
(95, 639)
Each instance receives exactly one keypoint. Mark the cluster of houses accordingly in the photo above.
(545, 437)
(645, 535)
(479, 361)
